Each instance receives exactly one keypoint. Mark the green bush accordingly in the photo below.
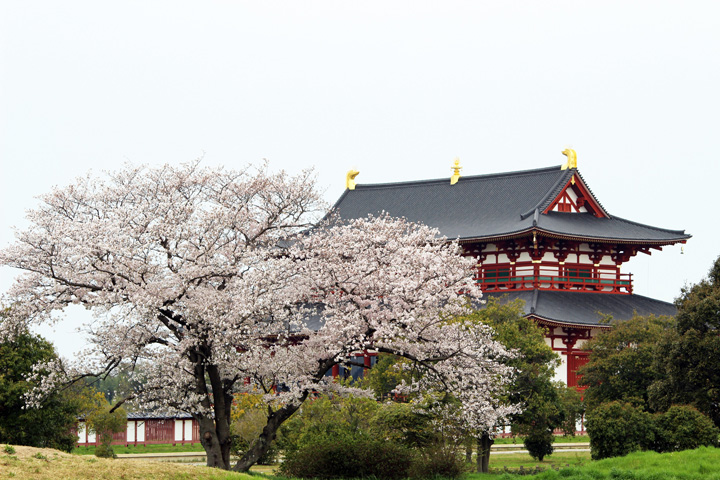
(618, 428)
(438, 461)
(539, 443)
(348, 456)
(104, 451)
(683, 427)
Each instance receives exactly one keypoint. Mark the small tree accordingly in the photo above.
(101, 419)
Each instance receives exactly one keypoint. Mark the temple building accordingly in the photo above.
(538, 235)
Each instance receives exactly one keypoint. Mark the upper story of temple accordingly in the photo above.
(540, 229)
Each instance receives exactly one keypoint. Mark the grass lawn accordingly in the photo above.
(161, 448)
(26, 463)
(498, 463)
(700, 464)
(558, 439)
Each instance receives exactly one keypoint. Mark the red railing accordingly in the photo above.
(528, 278)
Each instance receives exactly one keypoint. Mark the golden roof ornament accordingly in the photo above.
(456, 171)
(350, 179)
(571, 159)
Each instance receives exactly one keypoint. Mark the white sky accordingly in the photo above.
(395, 89)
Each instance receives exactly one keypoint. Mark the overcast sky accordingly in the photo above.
(395, 89)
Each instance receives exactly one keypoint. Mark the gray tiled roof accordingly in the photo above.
(586, 308)
(490, 206)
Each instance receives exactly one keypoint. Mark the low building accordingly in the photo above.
(145, 429)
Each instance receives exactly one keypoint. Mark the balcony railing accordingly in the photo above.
(526, 278)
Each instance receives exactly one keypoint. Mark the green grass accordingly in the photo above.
(700, 464)
(558, 439)
(557, 460)
(161, 448)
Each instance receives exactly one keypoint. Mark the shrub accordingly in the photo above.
(438, 461)
(539, 444)
(104, 451)
(683, 427)
(618, 428)
(348, 456)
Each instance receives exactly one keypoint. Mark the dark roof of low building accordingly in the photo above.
(502, 205)
(585, 309)
(157, 416)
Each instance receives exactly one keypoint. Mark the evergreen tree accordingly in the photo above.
(688, 361)
(621, 365)
(45, 427)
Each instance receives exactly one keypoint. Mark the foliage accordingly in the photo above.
(355, 420)
(47, 426)
(202, 273)
(9, 449)
(248, 417)
(119, 384)
(100, 419)
(328, 416)
(348, 456)
(621, 366)
(389, 372)
(437, 461)
(618, 428)
(682, 428)
(406, 424)
(688, 362)
(539, 443)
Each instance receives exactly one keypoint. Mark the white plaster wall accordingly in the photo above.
(81, 432)
(561, 372)
(131, 430)
(188, 430)
(524, 257)
(548, 257)
(141, 431)
(178, 430)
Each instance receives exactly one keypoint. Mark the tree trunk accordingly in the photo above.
(217, 449)
(260, 446)
(483, 455)
(468, 449)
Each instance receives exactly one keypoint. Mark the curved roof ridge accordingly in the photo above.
(465, 178)
(651, 227)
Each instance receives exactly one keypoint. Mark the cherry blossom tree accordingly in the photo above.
(213, 280)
